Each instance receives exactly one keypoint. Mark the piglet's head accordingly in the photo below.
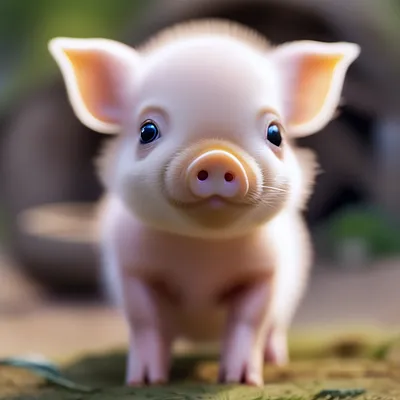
(204, 116)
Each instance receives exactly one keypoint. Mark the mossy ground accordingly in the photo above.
(348, 363)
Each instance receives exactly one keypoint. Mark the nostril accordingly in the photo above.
(202, 175)
(229, 177)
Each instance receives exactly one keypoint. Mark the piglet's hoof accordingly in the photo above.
(240, 376)
(146, 381)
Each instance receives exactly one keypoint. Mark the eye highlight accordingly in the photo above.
(149, 132)
(274, 134)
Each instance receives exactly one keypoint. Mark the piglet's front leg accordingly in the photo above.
(244, 340)
(149, 320)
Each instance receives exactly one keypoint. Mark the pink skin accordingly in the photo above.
(276, 351)
(201, 233)
(150, 336)
(242, 353)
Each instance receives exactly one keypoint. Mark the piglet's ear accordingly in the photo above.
(96, 73)
(312, 76)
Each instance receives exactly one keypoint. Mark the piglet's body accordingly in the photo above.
(201, 230)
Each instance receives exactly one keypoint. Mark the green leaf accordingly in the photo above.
(46, 370)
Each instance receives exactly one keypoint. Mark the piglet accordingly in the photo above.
(201, 229)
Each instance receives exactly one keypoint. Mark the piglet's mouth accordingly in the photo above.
(212, 203)
(214, 212)
(215, 202)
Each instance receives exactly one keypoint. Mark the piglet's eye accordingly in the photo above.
(149, 132)
(274, 134)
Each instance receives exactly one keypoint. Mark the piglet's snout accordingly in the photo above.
(217, 173)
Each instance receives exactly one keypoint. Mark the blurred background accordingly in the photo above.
(49, 297)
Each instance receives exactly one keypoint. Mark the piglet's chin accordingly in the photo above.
(215, 213)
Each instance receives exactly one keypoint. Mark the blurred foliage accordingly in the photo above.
(378, 231)
(27, 26)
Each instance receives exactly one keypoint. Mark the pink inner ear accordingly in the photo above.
(312, 84)
(93, 73)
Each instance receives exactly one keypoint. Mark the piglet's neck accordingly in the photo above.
(209, 240)
(195, 241)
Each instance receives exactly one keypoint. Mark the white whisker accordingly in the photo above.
(274, 188)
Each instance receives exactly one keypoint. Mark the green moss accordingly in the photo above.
(194, 376)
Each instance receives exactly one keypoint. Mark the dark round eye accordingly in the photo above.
(148, 132)
(274, 134)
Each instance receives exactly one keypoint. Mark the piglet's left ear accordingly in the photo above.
(312, 76)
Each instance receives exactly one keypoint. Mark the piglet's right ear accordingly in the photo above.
(96, 74)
